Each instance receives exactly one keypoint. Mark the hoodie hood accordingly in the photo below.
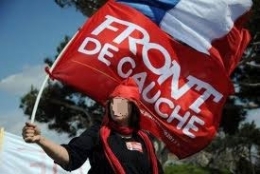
(127, 89)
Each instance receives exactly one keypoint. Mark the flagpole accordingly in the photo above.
(47, 77)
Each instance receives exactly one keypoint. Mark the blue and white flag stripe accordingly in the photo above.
(196, 23)
(155, 10)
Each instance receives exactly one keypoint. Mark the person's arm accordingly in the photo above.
(58, 153)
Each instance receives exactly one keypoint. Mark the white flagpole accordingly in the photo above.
(47, 77)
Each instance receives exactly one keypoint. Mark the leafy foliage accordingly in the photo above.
(188, 169)
(64, 109)
(86, 7)
(237, 152)
(245, 79)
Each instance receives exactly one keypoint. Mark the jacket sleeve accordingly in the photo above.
(80, 148)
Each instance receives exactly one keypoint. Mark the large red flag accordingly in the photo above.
(183, 91)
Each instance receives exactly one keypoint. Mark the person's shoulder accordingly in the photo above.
(94, 127)
(92, 130)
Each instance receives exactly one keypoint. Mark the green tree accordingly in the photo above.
(237, 152)
(188, 169)
(86, 7)
(245, 79)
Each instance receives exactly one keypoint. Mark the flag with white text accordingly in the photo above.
(183, 90)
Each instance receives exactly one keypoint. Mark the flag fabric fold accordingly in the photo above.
(211, 27)
(183, 90)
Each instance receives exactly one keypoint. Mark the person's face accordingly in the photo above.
(120, 110)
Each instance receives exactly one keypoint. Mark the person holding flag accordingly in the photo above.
(118, 145)
(176, 52)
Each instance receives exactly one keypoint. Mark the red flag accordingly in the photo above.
(183, 91)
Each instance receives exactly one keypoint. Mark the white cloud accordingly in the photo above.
(13, 122)
(17, 85)
(20, 83)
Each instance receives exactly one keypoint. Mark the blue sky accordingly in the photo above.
(29, 32)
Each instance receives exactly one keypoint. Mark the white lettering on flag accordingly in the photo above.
(170, 69)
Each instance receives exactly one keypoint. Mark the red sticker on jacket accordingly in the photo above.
(132, 145)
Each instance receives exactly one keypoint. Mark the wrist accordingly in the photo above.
(40, 140)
